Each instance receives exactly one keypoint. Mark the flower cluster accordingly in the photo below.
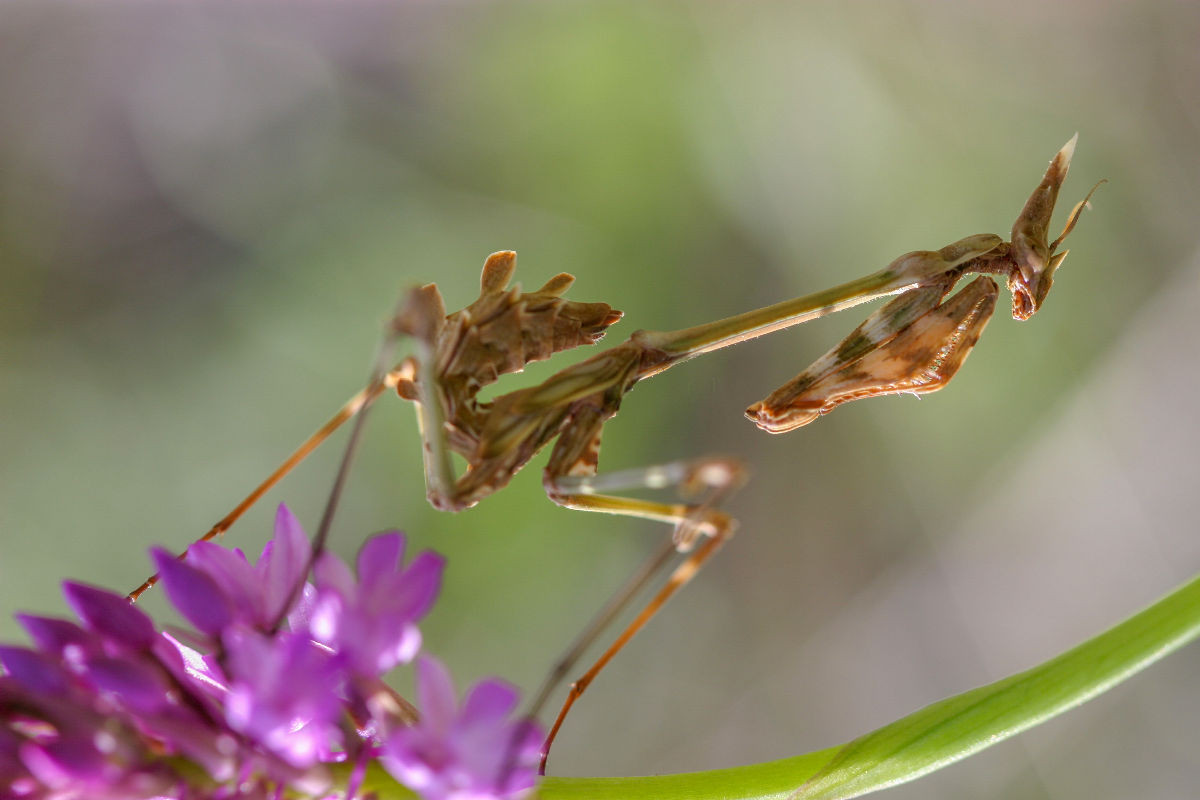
(278, 688)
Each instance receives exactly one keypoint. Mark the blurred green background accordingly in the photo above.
(208, 210)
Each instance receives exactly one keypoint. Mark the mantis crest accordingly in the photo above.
(915, 343)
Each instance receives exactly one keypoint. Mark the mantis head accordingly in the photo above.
(917, 342)
(1036, 258)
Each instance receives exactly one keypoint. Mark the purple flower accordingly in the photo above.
(470, 752)
(113, 669)
(282, 694)
(112, 708)
(60, 739)
(110, 615)
(214, 587)
(371, 623)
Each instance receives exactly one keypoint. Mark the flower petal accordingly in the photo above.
(287, 562)
(330, 572)
(300, 616)
(66, 762)
(283, 694)
(138, 685)
(436, 699)
(194, 593)
(420, 586)
(111, 615)
(488, 702)
(36, 671)
(380, 557)
(479, 754)
(54, 635)
(230, 570)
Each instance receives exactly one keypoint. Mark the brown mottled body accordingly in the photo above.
(915, 343)
(500, 333)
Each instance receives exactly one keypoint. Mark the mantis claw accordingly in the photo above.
(921, 357)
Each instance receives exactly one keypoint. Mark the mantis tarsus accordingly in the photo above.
(913, 344)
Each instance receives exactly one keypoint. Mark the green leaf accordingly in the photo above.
(935, 736)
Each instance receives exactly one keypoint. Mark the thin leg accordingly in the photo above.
(682, 574)
(571, 481)
(378, 375)
(719, 476)
(603, 618)
(352, 406)
(690, 521)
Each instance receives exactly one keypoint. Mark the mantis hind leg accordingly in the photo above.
(681, 575)
(571, 480)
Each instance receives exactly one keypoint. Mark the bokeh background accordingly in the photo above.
(207, 211)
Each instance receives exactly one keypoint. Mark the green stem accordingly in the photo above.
(922, 742)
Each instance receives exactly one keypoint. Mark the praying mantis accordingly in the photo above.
(915, 344)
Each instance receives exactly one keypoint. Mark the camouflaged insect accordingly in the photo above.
(915, 343)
